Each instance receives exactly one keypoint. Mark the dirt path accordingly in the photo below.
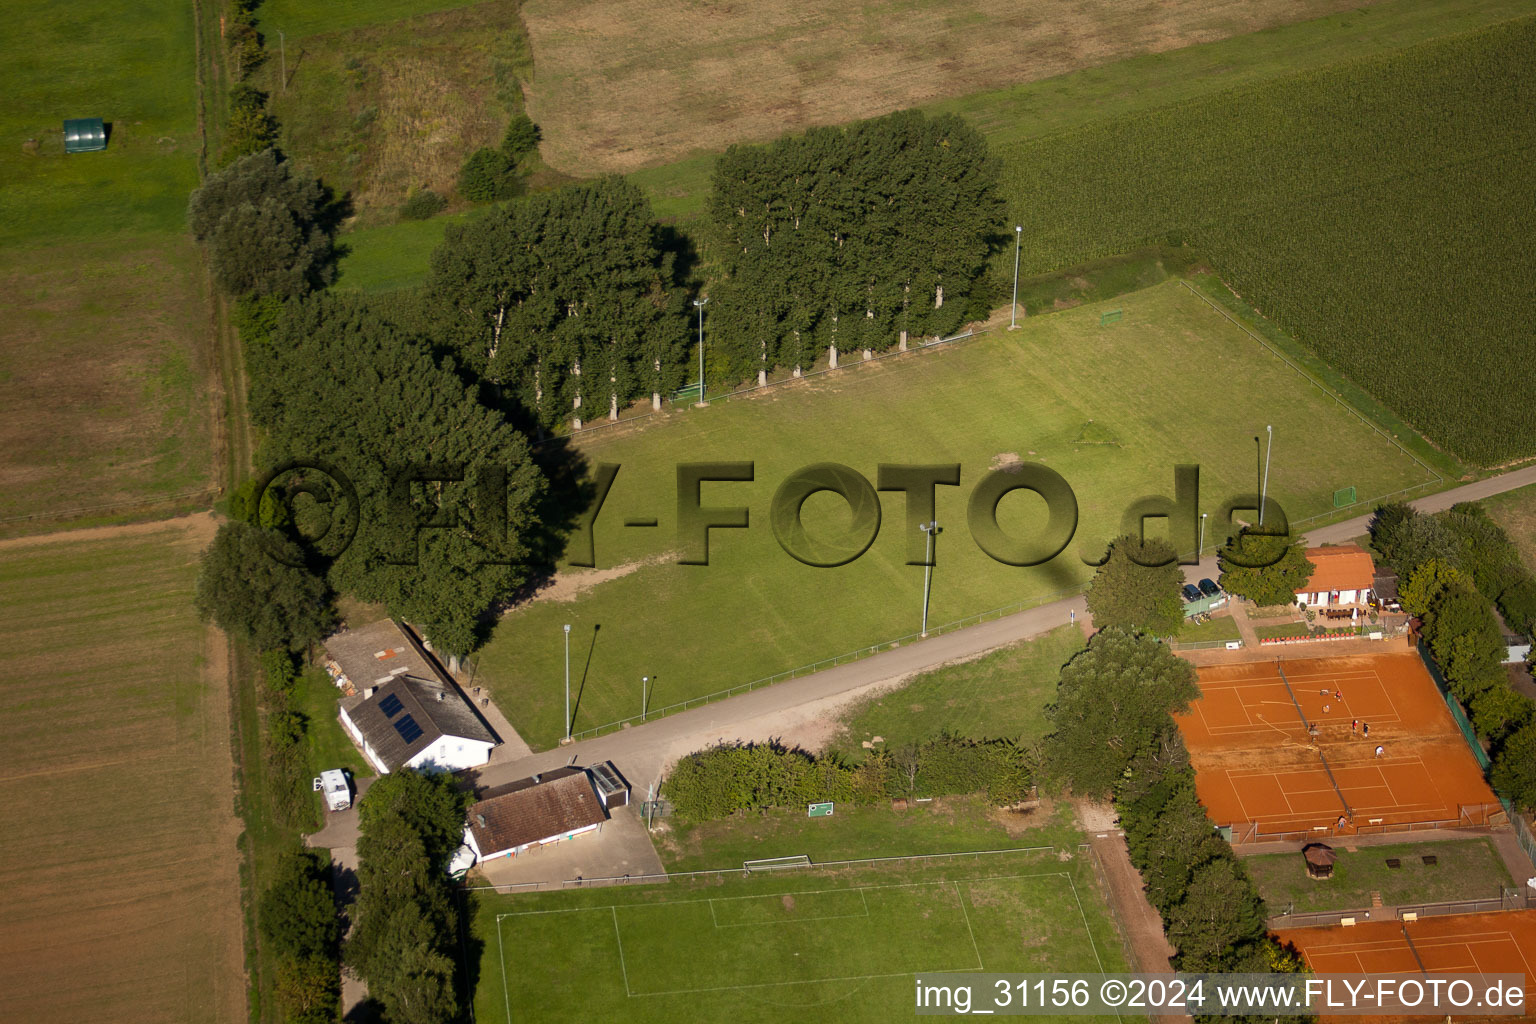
(200, 528)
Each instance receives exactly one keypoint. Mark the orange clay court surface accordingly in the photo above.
(1258, 770)
(1503, 943)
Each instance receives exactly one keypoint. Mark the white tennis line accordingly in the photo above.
(967, 915)
(620, 940)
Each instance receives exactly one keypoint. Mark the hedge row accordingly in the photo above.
(722, 780)
(1378, 209)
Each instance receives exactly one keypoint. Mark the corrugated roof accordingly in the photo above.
(1339, 567)
(535, 811)
(373, 654)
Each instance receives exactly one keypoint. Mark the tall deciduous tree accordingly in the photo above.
(851, 238)
(1266, 570)
(266, 227)
(252, 584)
(566, 302)
(1138, 587)
(1220, 914)
(1112, 704)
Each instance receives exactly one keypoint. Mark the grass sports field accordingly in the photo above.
(1258, 771)
(834, 946)
(118, 853)
(104, 356)
(1172, 382)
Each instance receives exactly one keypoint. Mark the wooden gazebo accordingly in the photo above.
(1319, 858)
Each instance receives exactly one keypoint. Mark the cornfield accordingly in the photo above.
(1380, 210)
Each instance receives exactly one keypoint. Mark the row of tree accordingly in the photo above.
(298, 920)
(1453, 567)
(405, 925)
(1113, 737)
(722, 780)
(851, 238)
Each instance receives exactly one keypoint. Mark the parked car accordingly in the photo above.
(1209, 588)
(1192, 592)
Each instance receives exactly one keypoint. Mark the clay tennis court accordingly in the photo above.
(1263, 753)
(1502, 943)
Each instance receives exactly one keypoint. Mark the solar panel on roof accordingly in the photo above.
(408, 729)
(391, 706)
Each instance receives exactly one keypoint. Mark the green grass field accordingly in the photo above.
(1174, 381)
(104, 352)
(947, 824)
(999, 695)
(833, 946)
(300, 18)
(1464, 870)
(117, 828)
(1222, 628)
(1516, 512)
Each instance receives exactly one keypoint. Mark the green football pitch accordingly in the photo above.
(804, 945)
(1111, 407)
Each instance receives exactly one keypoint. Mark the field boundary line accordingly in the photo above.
(793, 892)
(618, 937)
(664, 876)
(969, 930)
(501, 954)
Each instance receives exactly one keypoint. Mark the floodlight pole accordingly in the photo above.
(567, 682)
(1201, 551)
(644, 680)
(700, 304)
(1264, 486)
(929, 528)
(1018, 237)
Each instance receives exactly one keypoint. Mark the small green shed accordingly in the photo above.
(84, 135)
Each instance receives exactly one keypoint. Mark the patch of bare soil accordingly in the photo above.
(569, 585)
(624, 84)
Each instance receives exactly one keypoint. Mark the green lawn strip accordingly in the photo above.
(1470, 869)
(999, 695)
(315, 697)
(393, 256)
(944, 825)
(1219, 628)
(1028, 394)
(841, 944)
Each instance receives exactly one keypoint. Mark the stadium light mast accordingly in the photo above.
(1264, 485)
(930, 528)
(1201, 550)
(700, 304)
(644, 682)
(567, 682)
(1018, 237)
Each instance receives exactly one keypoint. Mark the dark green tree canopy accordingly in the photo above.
(266, 228)
(350, 382)
(297, 911)
(1112, 705)
(1138, 587)
(251, 584)
(566, 300)
(1266, 570)
(851, 237)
